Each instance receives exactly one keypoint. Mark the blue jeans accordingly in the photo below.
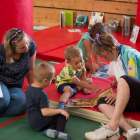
(13, 102)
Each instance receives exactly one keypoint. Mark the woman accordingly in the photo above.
(124, 66)
(17, 57)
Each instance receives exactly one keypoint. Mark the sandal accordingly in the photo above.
(54, 79)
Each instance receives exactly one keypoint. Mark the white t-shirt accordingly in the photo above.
(116, 68)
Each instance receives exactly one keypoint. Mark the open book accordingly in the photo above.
(102, 72)
(88, 102)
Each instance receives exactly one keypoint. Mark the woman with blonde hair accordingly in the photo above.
(17, 57)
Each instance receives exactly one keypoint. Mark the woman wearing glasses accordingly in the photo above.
(125, 67)
(17, 57)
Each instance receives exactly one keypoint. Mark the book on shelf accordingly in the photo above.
(66, 18)
(102, 72)
(95, 17)
(88, 102)
(134, 34)
(126, 26)
(80, 21)
(113, 24)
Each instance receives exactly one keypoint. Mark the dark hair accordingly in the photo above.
(98, 28)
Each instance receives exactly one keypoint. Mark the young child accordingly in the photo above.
(68, 82)
(86, 44)
(40, 116)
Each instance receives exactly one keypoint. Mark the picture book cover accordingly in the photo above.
(88, 102)
(126, 26)
(95, 17)
(113, 24)
(66, 18)
(102, 72)
(134, 34)
(80, 21)
(74, 30)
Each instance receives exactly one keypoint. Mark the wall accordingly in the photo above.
(47, 12)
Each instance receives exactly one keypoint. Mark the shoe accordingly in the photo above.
(103, 133)
(54, 79)
(133, 134)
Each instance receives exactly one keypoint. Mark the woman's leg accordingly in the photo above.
(123, 94)
(108, 111)
(17, 105)
(5, 100)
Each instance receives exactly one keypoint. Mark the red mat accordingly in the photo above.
(54, 95)
(55, 37)
(125, 40)
(53, 41)
(56, 55)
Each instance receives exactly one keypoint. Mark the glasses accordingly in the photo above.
(105, 55)
(14, 36)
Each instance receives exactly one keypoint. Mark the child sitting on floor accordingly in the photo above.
(40, 116)
(85, 44)
(68, 82)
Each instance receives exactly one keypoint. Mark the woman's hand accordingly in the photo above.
(113, 84)
(111, 99)
(101, 63)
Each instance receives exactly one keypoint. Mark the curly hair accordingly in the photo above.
(9, 45)
(98, 28)
(105, 42)
(72, 52)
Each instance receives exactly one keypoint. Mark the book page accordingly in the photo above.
(88, 102)
(1, 94)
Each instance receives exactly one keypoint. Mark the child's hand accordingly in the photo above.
(85, 91)
(64, 113)
(90, 73)
(96, 89)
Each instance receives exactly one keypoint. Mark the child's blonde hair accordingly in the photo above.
(43, 71)
(104, 42)
(72, 52)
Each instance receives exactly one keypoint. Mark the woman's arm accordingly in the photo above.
(30, 75)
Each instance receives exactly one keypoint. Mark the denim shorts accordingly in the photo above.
(73, 86)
